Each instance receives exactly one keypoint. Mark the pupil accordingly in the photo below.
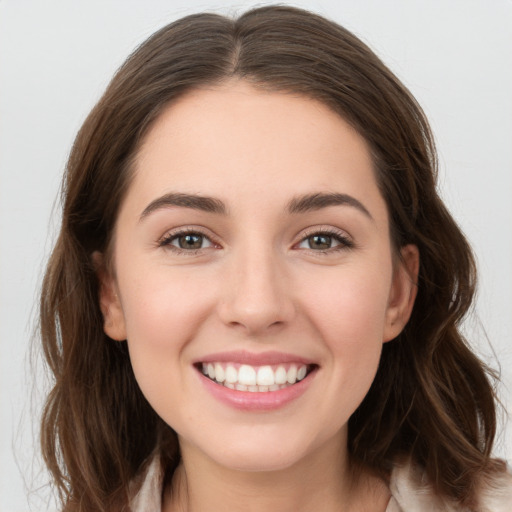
(319, 242)
(190, 241)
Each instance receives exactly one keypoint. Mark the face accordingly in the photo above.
(253, 245)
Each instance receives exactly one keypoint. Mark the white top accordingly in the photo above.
(409, 493)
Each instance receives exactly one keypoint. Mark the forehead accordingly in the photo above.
(232, 141)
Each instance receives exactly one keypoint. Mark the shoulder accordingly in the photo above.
(412, 493)
(497, 494)
(408, 486)
(146, 492)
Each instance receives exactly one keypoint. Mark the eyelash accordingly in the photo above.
(344, 242)
(168, 238)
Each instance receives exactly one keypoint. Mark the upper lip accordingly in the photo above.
(253, 359)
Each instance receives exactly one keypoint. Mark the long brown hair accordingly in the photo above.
(431, 401)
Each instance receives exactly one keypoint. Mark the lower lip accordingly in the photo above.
(258, 401)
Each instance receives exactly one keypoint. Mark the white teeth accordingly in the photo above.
(265, 376)
(280, 377)
(247, 375)
(291, 376)
(254, 379)
(231, 374)
(220, 374)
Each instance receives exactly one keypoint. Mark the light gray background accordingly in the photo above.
(57, 56)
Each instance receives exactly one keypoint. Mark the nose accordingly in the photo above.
(256, 293)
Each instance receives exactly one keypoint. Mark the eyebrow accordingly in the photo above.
(317, 201)
(196, 202)
(301, 204)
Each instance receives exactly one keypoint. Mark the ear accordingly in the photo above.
(110, 304)
(403, 292)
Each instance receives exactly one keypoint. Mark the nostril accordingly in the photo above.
(256, 306)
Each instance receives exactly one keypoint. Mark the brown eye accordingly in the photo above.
(190, 241)
(319, 242)
(325, 242)
(186, 241)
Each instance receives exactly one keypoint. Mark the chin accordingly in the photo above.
(259, 453)
(261, 462)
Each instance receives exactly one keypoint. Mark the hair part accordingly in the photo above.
(431, 401)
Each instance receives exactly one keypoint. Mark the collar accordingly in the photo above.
(410, 492)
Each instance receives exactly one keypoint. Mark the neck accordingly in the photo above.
(323, 481)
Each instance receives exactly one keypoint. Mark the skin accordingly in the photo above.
(257, 283)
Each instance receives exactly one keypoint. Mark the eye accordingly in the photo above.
(186, 241)
(323, 241)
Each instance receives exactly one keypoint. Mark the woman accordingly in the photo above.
(255, 296)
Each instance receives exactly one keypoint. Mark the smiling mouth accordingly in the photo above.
(256, 379)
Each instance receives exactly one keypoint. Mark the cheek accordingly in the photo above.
(349, 307)
(161, 305)
(349, 313)
(162, 315)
